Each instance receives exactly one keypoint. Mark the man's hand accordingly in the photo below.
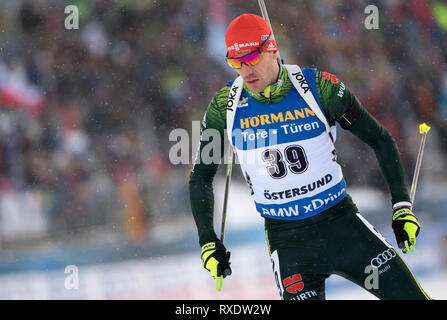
(216, 259)
(406, 228)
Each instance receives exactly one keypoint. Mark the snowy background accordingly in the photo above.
(86, 182)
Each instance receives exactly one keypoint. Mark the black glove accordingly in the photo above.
(406, 228)
(216, 259)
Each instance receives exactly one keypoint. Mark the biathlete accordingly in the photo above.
(281, 122)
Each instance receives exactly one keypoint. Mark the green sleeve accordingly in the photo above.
(334, 97)
(340, 105)
(369, 130)
(202, 174)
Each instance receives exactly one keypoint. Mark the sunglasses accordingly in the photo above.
(249, 59)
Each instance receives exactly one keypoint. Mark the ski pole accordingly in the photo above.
(230, 157)
(423, 129)
(227, 190)
(230, 162)
(224, 214)
(265, 15)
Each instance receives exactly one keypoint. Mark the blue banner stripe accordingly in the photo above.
(251, 139)
(304, 208)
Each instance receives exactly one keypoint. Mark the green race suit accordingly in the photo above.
(286, 239)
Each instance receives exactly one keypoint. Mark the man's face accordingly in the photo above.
(261, 75)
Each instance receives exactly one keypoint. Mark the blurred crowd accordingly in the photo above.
(85, 114)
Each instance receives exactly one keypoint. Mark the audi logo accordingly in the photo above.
(383, 258)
